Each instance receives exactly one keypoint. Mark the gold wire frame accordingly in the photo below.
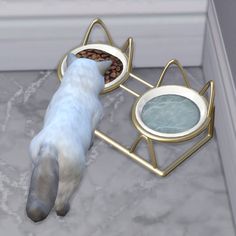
(152, 165)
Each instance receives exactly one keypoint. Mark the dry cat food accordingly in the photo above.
(98, 55)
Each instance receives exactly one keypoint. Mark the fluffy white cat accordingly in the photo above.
(58, 151)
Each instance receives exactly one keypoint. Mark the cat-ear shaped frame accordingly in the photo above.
(90, 28)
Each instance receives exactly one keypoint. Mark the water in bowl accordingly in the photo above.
(170, 114)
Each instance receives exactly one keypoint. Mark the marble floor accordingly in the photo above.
(117, 197)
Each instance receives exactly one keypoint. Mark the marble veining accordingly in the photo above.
(117, 197)
(170, 114)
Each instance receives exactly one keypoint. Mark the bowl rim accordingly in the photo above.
(189, 93)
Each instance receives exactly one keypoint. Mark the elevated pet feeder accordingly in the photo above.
(169, 114)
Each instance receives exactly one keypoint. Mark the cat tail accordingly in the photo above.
(44, 184)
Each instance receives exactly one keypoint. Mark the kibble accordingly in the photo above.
(115, 69)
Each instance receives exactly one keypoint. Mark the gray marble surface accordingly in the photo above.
(117, 196)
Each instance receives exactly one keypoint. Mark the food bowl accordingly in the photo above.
(115, 52)
(110, 49)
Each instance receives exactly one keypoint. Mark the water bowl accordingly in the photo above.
(170, 111)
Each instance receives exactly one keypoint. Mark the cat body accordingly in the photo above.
(59, 150)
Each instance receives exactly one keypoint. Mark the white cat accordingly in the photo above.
(58, 151)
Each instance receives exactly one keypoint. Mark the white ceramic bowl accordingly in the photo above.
(188, 93)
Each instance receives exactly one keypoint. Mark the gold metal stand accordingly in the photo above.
(144, 135)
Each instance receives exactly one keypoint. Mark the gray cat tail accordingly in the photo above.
(43, 185)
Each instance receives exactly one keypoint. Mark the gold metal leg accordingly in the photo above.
(150, 148)
(129, 90)
(141, 80)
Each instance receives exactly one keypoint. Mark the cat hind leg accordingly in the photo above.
(43, 185)
(65, 192)
(71, 168)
